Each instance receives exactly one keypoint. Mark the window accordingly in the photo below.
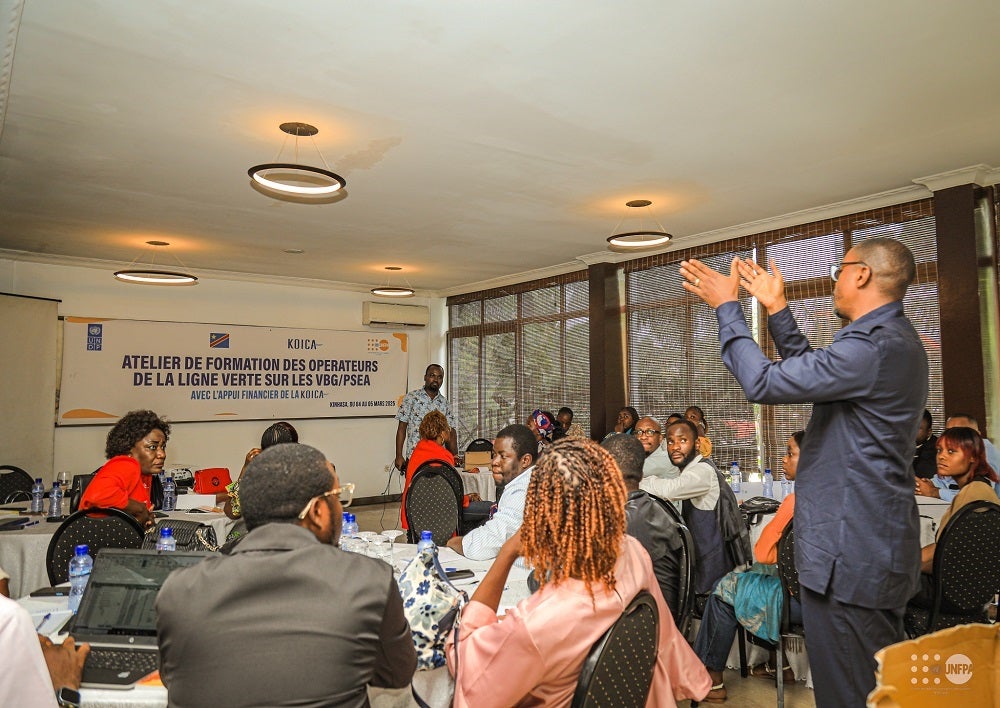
(673, 347)
(519, 348)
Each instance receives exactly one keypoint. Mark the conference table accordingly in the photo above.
(22, 552)
(435, 687)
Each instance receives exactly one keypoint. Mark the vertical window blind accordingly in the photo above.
(518, 348)
(673, 347)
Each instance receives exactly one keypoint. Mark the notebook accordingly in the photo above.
(117, 614)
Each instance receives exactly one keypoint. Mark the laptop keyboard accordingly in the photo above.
(142, 662)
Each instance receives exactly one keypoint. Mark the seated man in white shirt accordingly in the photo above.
(514, 452)
(657, 462)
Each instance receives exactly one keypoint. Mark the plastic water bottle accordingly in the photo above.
(166, 541)
(80, 566)
(37, 496)
(768, 483)
(349, 540)
(55, 501)
(786, 488)
(169, 493)
(426, 541)
(735, 478)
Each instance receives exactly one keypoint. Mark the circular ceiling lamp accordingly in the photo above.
(635, 235)
(293, 177)
(154, 276)
(388, 290)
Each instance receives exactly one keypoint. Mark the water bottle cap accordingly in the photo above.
(767, 470)
(426, 535)
(352, 518)
(166, 532)
(81, 550)
(346, 515)
(38, 480)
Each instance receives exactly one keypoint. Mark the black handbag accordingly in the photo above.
(190, 535)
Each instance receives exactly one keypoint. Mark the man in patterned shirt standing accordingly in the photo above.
(416, 404)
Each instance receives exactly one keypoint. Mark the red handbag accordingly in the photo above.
(211, 480)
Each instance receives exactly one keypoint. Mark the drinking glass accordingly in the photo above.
(64, 478)
(392, 535)
(366, 539)
(379, 547)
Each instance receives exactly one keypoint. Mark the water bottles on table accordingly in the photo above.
(80, 566)
(786, 488)
(426, 541)
(169, 493)
(37, 496)
(166, 541)
(768, 483)
(349, 540)
(55, 501)
(735, 478)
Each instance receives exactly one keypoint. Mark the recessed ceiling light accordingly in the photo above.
(294, 251)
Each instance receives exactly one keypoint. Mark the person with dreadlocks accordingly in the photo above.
(573, 535)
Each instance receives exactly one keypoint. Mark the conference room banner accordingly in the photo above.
(187, 371)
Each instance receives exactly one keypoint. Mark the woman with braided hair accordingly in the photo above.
(573, 535)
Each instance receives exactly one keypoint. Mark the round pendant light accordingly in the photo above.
(296, 178)
(637, 236)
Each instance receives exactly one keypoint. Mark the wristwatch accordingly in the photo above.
(68, 698)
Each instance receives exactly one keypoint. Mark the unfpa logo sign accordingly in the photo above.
(376, 345)
(927, 670)
(958, 668)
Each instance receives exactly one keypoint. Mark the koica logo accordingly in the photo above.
(927, 669)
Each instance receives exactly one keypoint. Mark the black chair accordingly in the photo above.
(619, 669)
(15, 484)
(77, 488)
(789, 577)
(685, 599)
(966, 571)
(480, 445)
(98, 528)
(434, 502)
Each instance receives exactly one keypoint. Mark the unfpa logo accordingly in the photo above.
(376, 345)
(927, 669)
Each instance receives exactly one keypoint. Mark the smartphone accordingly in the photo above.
(50, 592)
(460, 574)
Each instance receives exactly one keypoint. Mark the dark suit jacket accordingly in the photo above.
(284, 620)
(857, 535)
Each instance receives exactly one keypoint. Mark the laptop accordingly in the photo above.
(117, 614)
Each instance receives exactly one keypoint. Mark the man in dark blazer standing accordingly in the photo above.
(856, 525)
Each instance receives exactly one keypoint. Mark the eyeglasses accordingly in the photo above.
(837, 269)
(347, 489)
(646, 433)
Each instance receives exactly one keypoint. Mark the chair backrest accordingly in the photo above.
(787, 571)
(77, 488)
(480, 445)
(966, 565)
(685, 599)
(98, 528)
(13, 483)
(619, 669)
(434, 501)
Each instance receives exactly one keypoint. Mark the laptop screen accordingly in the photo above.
(121, 593)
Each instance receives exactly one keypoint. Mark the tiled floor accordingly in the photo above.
(743, 693)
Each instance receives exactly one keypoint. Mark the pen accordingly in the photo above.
(30, 523)
(44, 619)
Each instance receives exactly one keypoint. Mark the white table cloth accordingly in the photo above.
(435, 687)
(481, 483)
(22, 553)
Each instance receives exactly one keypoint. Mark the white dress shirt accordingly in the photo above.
(24, 677)
(697, 482)
(484, 542)
(658, 464)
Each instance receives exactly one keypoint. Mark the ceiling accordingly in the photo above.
(479, 140)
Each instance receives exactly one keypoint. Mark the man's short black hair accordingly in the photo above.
(684, 421)
(522, 439)
(628, 452)
(928, 419)
(566, 409)
(431, 366)
(280, 481)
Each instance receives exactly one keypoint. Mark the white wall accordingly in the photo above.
(359, 447)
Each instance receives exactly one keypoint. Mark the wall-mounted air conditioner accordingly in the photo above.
(382, 314)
